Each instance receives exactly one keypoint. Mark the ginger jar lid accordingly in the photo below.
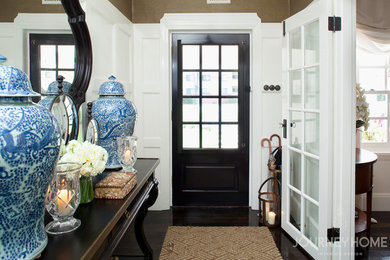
(2, 59)
(111, 88)
(52, 89)
(15, 83)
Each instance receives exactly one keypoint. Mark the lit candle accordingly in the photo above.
(271, 218)
(266, 211)
(63, 200)
(127, 155)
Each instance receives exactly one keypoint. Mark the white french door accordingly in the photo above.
(307, 163)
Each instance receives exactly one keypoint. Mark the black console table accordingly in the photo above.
(104, 222)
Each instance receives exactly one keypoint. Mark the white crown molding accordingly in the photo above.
(211, 21)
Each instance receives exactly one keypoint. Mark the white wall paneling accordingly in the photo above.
(381, 192)
(112, 45)
(9, 47)
(271, 102)
(152, 101)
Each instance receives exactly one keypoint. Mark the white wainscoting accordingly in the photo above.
(271, 102)
(381, 191)
(152, 101)
(112, 46)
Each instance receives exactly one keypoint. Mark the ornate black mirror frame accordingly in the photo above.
(83, 46)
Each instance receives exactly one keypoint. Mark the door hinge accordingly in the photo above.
(334, 23)
(248, 89)
(333, 235)
(284, 28)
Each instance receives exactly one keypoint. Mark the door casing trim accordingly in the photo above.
(219, 23)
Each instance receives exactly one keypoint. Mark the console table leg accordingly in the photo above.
(369, 210)
(139, 222)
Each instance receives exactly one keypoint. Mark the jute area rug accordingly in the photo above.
(201, 243)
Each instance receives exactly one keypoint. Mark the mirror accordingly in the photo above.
(77, 70)
(58, 109)
(62, 107)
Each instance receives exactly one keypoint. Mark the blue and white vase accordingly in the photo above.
(116, 117)
(52, 92)
(29, 149)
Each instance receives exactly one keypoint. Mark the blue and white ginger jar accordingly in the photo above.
(52, 92)
(29, 149)
(116, 117)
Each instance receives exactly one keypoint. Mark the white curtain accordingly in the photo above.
(373, 26)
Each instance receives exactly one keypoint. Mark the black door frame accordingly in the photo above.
(244, 109)
(35, 41)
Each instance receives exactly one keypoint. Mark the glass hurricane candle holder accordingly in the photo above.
(127, 152)
(269, 203)
(63, 198)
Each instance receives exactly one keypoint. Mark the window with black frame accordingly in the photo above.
(51, 55)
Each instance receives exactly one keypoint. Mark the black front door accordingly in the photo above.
(210, 97)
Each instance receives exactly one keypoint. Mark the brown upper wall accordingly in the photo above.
(9, 9)
(298, 5)
(125, 6)
(151, 11)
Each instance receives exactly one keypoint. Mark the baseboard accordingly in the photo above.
(380, 201)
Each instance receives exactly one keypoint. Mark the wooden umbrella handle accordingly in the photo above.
(269, 144)
(280, 140)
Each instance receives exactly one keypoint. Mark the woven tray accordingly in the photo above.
(116, 185)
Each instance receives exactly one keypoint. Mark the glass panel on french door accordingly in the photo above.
(295, 209)
(296, 88)
(304, 130)
(311, 221)
(209, 96)
(295, 169)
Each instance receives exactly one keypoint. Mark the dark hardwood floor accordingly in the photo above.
(380, 234)
(157, 222)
